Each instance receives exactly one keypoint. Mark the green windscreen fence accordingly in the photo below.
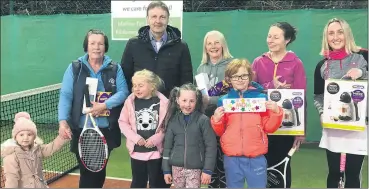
(35, 50)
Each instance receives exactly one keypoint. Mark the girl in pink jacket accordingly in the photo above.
(23, 154)
(141, 122)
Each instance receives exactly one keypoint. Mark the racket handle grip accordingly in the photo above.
(343, 162)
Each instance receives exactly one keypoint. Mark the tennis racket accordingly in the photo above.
(277, 179)
(92, 146)
(341, 183)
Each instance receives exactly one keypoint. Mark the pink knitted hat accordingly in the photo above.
(23, 123)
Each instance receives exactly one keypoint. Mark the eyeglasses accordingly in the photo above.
(238, 77)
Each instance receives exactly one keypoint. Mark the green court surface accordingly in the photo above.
(309, 166)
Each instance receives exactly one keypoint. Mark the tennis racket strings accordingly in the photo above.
(93, 150)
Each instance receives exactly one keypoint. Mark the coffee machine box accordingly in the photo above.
(292, 101)
(345, 105)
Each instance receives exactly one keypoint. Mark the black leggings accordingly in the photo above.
(218, 179)
(352, 175)
(143, 171)
(278, 148)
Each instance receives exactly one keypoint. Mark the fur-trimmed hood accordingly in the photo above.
(10, 146)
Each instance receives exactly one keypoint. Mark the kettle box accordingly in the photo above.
(345, 105)
(292, 102)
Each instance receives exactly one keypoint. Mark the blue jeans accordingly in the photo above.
(241, 169)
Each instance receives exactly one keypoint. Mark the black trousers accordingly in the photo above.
(279, 146)
(90, 179)
(143, 171)
(218, 179)
(352, 175)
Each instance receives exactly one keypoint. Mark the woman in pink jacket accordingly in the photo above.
(280, 68)
(141, 122)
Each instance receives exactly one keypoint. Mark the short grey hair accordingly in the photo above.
(155, 4)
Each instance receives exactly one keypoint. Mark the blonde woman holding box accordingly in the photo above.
(342, 58)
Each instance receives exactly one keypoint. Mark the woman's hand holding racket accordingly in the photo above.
(97, 108)
(298, 141)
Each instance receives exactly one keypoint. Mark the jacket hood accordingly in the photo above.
(10, 146)
(290, 56)
(173, 33)
(222, 62)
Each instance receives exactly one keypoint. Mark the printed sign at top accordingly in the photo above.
(127, 17)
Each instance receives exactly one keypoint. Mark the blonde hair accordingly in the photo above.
(225, 52)
(235, 65)
(350, 45)
(151, 78)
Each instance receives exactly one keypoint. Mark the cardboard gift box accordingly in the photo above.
(292, 102)
(101, 98)
(345, 105)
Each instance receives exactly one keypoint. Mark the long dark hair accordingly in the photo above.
(173, 107)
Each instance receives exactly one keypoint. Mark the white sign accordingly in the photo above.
(244, 105)
(127, 17)
(292, 102)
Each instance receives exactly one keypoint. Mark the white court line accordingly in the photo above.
(77, 174)
(112, 178)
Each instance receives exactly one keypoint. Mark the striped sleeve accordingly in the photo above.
(319, 83)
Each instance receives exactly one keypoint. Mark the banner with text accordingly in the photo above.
(127, 17)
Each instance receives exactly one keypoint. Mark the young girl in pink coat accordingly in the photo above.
(141, 122)
(23, 154)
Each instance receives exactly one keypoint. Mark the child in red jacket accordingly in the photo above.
(243, 136)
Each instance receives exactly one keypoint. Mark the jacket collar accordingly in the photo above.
(254, 87)
(173, 33)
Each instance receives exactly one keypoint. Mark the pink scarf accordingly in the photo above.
(336, 55)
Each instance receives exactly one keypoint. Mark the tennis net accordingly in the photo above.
(42, 104)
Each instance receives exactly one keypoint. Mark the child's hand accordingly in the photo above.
(271, 105)
(141, 142)
(168, 178)
(205, 178)
(218, 114)
(149, 144)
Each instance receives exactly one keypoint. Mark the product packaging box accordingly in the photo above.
(292, 102)
(345, 105)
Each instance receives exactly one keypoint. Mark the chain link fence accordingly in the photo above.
(49, 7)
